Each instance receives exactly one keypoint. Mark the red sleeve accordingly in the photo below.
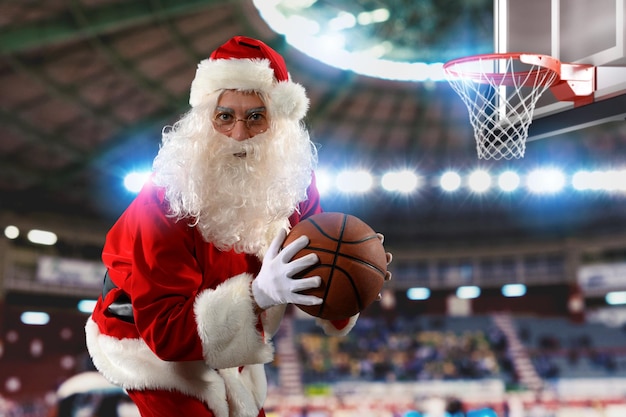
(151, 257)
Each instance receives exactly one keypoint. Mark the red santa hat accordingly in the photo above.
(244, 63)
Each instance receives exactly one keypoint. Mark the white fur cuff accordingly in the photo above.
(227, 326)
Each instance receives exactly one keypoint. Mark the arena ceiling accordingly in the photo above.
(87, 85)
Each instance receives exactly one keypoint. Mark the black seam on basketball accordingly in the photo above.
(362, 262)
(336, 255)
(323, 232)
(356, 242)
(334, 265)
(351, 257)
(344, 256)
(355, 289)
(320, 249)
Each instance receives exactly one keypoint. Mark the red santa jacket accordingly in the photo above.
(192, 327)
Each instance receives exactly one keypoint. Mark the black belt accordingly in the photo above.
(121, 307)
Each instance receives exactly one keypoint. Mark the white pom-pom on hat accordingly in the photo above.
(289, 98)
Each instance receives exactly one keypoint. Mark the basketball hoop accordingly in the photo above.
(500, 92)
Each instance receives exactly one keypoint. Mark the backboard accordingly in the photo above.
(573, 31)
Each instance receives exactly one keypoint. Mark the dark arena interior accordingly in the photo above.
(505, 301)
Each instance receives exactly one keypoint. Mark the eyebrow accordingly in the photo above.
(248, 112)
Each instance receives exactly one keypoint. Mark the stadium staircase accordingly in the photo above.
(289, 370)
(522, 363)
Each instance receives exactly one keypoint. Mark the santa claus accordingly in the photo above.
(196, 284)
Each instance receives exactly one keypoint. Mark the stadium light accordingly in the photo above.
(86, 306)
(401, 181)
(616, 180)
(545, 181)
(540, 181)
(329, 46)
(343, 20)
(450, 181)
(42, 237)
(11, 232)
(135, 180)
(612, 180)
(35, 318)
(323, 181)
(583, 181)
(468, 292)
(616, 298)
(508, 181)
(374, 16)
(479, 181)
(354, 181)
(514, 290)
(418, 293)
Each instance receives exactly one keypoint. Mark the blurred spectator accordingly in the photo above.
(376, 352)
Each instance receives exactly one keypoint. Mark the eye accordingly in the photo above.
(224, 117)
(256, 117)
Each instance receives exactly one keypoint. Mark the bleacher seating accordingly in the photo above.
(564, 349)
(419, 348)
(444, 348)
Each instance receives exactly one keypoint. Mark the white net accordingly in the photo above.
(500, 94)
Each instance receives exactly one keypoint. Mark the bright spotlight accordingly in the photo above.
(42, 237)
(332, 42)
(468, 292)
(582, 180)
(450, 181)
(401, 181)
(616, 298)
(306, 26)
(354, 181)
(323, 181)
(343, 20)
(508, 181)
(135, 180)
(479, 181)
(35, 318)
(613, 180)
(514, 290)
(546, 181)
(418, 293)
(11, 232)
(86, 306)
(375, 16)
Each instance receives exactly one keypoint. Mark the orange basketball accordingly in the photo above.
(352, 263)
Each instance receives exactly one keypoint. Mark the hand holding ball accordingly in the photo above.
(352, 263)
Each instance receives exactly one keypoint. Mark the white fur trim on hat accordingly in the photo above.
(288, 99)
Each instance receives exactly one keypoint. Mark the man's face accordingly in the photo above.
(239, 174)
(240, 115)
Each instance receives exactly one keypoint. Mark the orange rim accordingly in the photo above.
(544, 65)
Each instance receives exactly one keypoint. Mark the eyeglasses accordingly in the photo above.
(255, 122)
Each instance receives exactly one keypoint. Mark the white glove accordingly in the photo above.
(274, 284)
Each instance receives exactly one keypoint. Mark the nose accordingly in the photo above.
(240, 131)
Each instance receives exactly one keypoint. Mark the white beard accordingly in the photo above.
(238, 194)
